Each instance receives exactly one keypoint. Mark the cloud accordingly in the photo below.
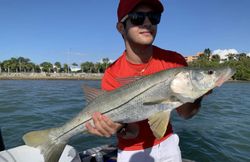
(224, 52)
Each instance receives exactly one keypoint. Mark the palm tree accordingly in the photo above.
(87, 67)
(6, 65)
(207, 53)
(241, 56)
(66, 68)
(106, 63)
(47, 66)
(29, 67)
(0, 67)
(22, 62)
(14, 64)
(231, 56)
(215, 58)
(58, 66)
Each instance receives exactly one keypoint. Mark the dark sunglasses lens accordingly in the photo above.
(154, 18)
(137, 18)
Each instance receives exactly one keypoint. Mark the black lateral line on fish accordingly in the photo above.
(105, 112)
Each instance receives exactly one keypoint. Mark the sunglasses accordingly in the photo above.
(138, 18)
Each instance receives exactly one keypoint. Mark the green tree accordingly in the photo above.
(87, 67)
(231, 56)
(1, 67)
(241, 56)
(207, 53)
(99, 67)
(47, 67)
(23, 64)
(58, 66)
(66, 68)
(29, 67)
(10, 65)
(105, 63)
(6, 65)
(240, 62)
(14, 64)
(215, 58)
(37, 69)
(17, 65)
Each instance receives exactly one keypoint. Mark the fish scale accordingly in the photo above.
(151, 97)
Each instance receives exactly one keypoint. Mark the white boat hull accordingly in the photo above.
(26, 153)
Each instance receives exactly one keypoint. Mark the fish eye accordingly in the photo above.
(210, 72)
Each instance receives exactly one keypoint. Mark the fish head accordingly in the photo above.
(192, 83)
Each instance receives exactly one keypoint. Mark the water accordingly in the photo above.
(220, 132)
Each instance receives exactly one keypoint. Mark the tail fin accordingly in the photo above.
(42, 139)
(36, 138)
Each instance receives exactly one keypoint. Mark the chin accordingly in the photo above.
(147, 42)
(144, 41)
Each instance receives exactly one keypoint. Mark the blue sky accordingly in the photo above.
(77, 31)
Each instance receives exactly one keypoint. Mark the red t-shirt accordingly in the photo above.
(121, 68)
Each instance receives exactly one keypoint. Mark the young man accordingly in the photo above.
(137, 23)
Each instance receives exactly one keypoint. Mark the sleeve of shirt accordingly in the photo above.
(180, 60)
(108, 82)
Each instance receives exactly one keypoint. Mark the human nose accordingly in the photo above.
(147, 21)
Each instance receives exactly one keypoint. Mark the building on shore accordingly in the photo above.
(193, 58)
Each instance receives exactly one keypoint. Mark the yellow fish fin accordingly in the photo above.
(158, 123)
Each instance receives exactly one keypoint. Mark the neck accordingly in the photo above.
(139, 54)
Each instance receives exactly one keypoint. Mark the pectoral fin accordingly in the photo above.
(153, 102)
(166, 101)
(158, 123)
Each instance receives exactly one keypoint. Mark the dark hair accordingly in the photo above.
(124, 23)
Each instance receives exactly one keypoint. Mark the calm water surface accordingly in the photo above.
(220, 132)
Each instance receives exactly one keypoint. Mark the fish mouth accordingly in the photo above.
(225, 75)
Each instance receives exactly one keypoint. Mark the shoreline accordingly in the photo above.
(51, 76)
(63, 76)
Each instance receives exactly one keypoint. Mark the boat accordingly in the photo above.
(103, 153)
(24, 153)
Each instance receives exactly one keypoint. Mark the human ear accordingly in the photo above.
(120, 27)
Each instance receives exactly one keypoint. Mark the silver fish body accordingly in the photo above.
(152, 97)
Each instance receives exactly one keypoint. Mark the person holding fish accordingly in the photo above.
(137, 23)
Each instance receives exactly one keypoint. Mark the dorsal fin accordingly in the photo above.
(127, 80)
(91, 93)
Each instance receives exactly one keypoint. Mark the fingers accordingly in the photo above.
(103, 126)
(109, 125)
(92, 129)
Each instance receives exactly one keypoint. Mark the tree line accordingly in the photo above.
(240, 62)
(22, 64)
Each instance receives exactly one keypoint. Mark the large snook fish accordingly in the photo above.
(152, 97)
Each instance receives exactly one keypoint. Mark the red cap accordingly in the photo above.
(126, 6)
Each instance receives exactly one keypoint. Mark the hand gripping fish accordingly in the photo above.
(152, 97)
